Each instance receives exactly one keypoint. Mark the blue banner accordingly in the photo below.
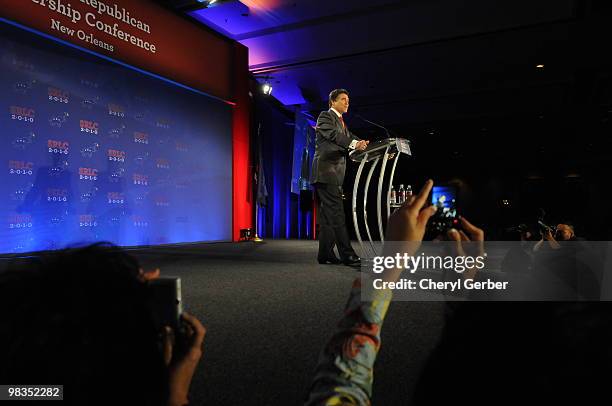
(96, 151)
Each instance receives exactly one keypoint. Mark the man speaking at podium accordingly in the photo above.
(333, 141)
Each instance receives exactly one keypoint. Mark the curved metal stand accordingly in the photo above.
(354, 201)
(375, 152)
(391, 184)
(379, 194)
(365, 202)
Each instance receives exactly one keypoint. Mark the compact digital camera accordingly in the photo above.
(166, 302)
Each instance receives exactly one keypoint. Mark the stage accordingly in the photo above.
(269, 309)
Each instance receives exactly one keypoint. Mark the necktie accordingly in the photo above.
(342, 121)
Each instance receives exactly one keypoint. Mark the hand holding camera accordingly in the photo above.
(182, 353)
(182, 335)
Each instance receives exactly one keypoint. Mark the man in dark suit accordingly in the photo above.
(333, 142)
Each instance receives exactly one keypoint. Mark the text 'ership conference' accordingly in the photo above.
(95, 21)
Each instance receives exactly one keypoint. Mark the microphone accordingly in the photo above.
(389, 133)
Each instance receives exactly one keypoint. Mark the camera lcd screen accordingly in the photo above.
(444, 195)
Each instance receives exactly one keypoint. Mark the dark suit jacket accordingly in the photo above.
(331, 146)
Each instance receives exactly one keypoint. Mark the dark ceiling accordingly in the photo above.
(456, 77)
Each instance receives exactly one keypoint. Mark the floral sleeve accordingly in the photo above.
(344, 373)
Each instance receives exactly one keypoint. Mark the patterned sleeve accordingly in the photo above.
(344, 374)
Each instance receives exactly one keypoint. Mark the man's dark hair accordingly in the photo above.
(333, 95)
(81, 318)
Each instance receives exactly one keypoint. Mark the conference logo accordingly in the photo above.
(58, 147)
(90, 83)
(117, 175)
(57, 195)
(162, 163)
(59, 120)
(163, 123)
(57, 95)
(90, 127)
(18, 195)
(116, 132)
(181, 147)
(115, 198)
(23, 88)
(61, 166)
(87, 220)
(116, 110)
(140, 116)
(139, 221)
(88, 174)
(88, 196)
(164, 140)
(22, 143)
(90, 103)
(139, 179)
(161, 201)
(140, 200)
(88, 151)
(142, 158)
(55, 221)
(141, 138)
(116, 155)
(24, 114)
(21, 167)
(20, 221)
(114, 221)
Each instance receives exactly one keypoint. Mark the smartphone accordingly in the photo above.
(446, 217)
(166, 301)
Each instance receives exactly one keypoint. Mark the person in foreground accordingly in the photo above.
(82, 318)
(488, 353)
(344, 374)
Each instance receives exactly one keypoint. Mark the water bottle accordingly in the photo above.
(392, 196)
(402, 194)
(408, 191)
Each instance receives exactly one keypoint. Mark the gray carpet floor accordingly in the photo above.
(269, 309)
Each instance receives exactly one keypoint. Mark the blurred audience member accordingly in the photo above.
(500, 353)
(82, 318)
(563, 232)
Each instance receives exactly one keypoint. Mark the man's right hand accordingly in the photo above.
(361, 145)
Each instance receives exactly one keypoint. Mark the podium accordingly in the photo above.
(374, 153)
